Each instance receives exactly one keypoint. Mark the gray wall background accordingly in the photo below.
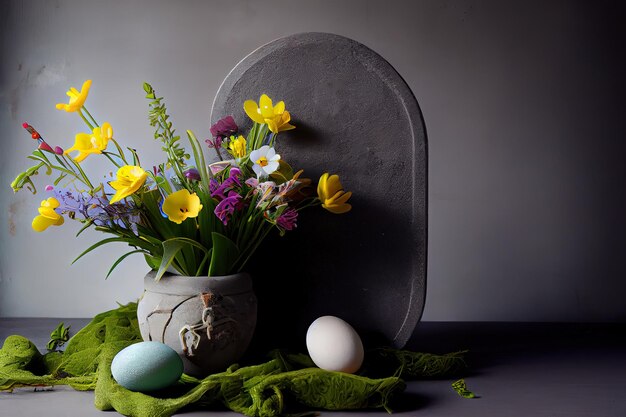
(523, 103)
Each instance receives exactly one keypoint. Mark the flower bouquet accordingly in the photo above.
(199, 224)
(182, 215)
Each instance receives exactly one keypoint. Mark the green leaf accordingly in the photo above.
(98, 244)
(198, 156)
(82, 229)
(283, 174)
(23, 179)
(120, 259)
(149, 91)
(204, 261)
(223, 256)
(152, 261)
(207, 220)
(171, 248)
(461, 389)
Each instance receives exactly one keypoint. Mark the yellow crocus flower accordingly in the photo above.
(87, 144)
(47, 216)
(238, 147)
(129, 179)
(276, 117)
(332, 195)
(77, 99)
(180, 205)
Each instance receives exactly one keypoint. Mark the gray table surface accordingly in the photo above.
(518, 369)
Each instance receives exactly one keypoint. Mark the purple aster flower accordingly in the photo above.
(287, 220)
(224, 128)
(227, 207)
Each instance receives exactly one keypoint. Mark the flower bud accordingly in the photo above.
(192, 174)
(45, 147)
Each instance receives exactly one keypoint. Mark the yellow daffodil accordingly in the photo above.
(238, 147)
(276, 117)
(87, 144)
(47, 216)
(180, 205)
(129, 179)
(77, 99)
(332, 196)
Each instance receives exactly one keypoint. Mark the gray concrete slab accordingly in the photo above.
(356, 117)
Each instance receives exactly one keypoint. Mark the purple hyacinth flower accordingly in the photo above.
(224, 128)
(287, 220)
(227, 207)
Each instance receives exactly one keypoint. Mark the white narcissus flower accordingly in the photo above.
(265, 160)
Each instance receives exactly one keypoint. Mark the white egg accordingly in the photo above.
(334, 345)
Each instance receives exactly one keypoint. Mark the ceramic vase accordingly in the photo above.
(208, 321)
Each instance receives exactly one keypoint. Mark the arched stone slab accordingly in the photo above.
(355, 116)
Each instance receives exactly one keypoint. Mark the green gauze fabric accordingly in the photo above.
(264, 390)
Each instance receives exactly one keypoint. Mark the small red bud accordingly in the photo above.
(35, 135)
(45, 147)
(58, 150)
(25, 125)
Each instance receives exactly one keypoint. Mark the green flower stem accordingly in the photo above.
(315, 201)
(273, 137)
(253, 228)
(136, 160)
(251, 137)
(108, 155)
(91, 117)
(260, 136)
(257, 242)
(85, 179)
(85, 120)
(175, 166)
(121, 152)
(61, 161)
(249, 225)
(217, 151)
(200, 161)
(45, 159)
(67, 171)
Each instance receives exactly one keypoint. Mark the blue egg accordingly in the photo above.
(146, 366)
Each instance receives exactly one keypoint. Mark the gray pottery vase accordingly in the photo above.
(208, 321)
